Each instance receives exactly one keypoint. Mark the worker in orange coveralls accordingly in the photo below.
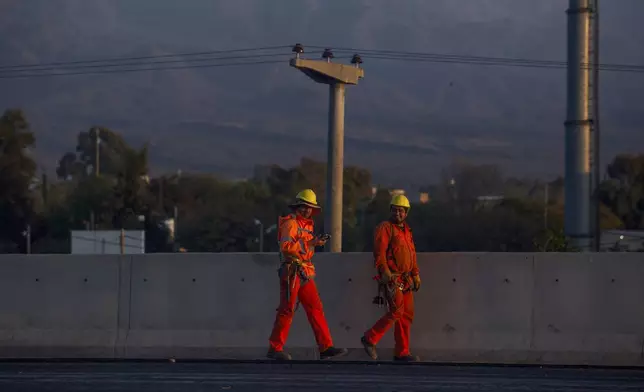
(297, 243)
(395, 261)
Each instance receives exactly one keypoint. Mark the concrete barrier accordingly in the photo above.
(589, 309)
(487, 307)
(65, 306)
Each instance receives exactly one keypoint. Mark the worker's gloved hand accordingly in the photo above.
(416, 280)
(385, 275)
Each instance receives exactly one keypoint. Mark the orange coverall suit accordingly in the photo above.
(394, 247)
(294, 234)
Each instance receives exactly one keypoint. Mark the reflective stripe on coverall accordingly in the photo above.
(394, 247)
(296, 283)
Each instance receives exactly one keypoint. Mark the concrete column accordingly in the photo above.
(577, 173)
(335, 167)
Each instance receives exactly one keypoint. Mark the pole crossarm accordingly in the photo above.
(328, 73)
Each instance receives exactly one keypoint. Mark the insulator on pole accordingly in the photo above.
(298, 49)
(328, 54)
(356, 60)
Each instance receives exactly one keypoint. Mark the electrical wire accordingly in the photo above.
(118, 71)
(427, 55)
(403, 54)
(125, 64)
(71, 67)
(503, 64)
(113, 59)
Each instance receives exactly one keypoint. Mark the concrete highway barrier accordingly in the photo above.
(546, 308)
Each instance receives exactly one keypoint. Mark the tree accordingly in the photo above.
(463, 183)
(375, 212)
(112, 153)
(69, 167)
(117, 193)
(219, 216)
(17, 174)
(283, 185)
(131, 192)
(92, 196)
(623, 192)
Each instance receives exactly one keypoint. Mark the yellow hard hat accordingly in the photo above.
(306, 197)
(400, 201)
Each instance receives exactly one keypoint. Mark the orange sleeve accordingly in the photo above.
(382, 236)
(414, 262)
(289, 243)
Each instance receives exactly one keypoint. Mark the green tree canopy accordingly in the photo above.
(623, 192)
(17, 176)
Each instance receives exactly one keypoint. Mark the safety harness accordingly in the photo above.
(386, 291)
(293, 267)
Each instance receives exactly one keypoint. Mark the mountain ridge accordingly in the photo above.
(404, 121)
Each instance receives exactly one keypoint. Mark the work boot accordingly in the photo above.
(278, 355)
(333, 352)
(407, 358)
(369, 348)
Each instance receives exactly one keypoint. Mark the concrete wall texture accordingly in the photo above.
(544, 308)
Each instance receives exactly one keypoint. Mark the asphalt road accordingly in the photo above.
(190, 377)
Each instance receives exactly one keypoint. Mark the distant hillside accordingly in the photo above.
(404, 121)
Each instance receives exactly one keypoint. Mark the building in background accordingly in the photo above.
(489, 201)
(424, 198)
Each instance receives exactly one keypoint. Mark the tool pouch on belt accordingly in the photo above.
(402, 282)
(289, 269)
(387, 290)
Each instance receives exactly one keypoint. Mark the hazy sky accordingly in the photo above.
(418, 116)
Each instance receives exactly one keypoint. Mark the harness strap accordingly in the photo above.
(293, 268)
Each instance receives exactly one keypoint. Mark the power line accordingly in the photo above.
(477, 60)
(403, 54)
(113, 59)
(367, 52)
(12, 72)
(125, 64)
(114, 71)
(639, 69)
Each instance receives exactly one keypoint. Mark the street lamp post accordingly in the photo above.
(262, 232)
(261, 235)
(175, 213)
(27, 234)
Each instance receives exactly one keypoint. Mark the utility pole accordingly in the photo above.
(546, 201)
(122, 241)
(175, 214)
(97, 145)
(27, 234)
(337, 76)
(98, 151)
(596, 142)
(578, 123)
(45, 189)
(261, 234)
